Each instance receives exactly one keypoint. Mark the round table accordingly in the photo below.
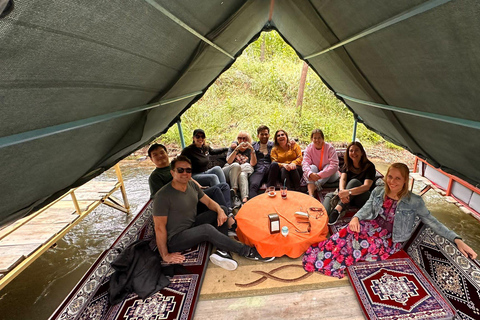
(253, 226)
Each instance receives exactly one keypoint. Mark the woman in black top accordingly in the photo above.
(198, 153)
(356, 182)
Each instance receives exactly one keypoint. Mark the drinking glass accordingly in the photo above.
(283, 191)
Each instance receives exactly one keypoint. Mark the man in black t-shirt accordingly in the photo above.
(178, 225)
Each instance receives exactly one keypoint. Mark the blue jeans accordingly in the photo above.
(211, 177)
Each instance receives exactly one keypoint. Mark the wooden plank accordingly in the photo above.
(329, 303)
(416, 176)
(84, 205)
(10, 256)
(451, 199)
(54, 218)
(8, 262)
(29, 234)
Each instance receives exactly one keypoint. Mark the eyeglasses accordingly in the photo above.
(280, 134)
(317, 210)
(241, 138)
(182, 170)
(200, 136)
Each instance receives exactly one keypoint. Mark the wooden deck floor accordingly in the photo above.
(330, 303)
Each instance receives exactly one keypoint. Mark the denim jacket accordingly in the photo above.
(408, 208)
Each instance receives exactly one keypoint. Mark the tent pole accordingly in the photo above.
(180, 133)
(428, 115)
(355, 128)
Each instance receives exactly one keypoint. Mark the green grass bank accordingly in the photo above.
(258, 90)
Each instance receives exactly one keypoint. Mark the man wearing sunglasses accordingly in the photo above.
(178, 225)
(161, 176)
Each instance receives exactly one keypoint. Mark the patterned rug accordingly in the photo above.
(90, 299)
(456, 276)
(396, 289)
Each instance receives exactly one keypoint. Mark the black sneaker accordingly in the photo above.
(254, 255)
(333, 217)
(224, 260)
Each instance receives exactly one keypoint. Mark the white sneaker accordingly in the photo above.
(224, 260)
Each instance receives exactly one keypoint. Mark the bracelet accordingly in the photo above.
(457, 238)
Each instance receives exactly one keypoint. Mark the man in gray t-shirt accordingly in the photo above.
(178, 226)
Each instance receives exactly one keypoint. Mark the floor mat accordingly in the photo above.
(397, 289)
(457, 277)
(90, 299)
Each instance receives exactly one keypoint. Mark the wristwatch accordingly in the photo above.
(349, 192)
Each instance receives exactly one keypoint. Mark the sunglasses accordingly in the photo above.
(200, 136)
(182, 170)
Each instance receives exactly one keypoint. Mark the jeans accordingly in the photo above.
(238, 177)
(334, 177)
(356, 200)
(290, 178)
(205, 229)
(211, 177)
(257, 178)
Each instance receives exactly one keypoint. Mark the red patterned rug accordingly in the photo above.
(90, 299)
(396, 289)
(456, 276)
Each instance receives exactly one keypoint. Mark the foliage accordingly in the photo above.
(254, 92)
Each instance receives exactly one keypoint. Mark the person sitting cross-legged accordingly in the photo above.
(178, 225)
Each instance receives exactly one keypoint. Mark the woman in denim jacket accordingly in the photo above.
(378, 229)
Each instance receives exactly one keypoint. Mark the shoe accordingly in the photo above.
(334, 201)
(254, 255)
(224, 260)
(232, 231)
(237, 203)
(333, 217)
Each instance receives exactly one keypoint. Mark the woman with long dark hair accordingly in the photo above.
(356, 182)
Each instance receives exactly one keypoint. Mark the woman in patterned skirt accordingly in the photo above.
(378, 229)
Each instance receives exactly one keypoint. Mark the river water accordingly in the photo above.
(39, 290)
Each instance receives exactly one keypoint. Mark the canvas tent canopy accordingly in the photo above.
(85, 83)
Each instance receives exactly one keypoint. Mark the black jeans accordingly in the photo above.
(205, 229)
(358, 200)
(291, 177)
(257, 178)
(219, 193)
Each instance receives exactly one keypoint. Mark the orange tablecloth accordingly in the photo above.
(253, 225)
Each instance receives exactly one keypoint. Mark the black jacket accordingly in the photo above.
(138, 269)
